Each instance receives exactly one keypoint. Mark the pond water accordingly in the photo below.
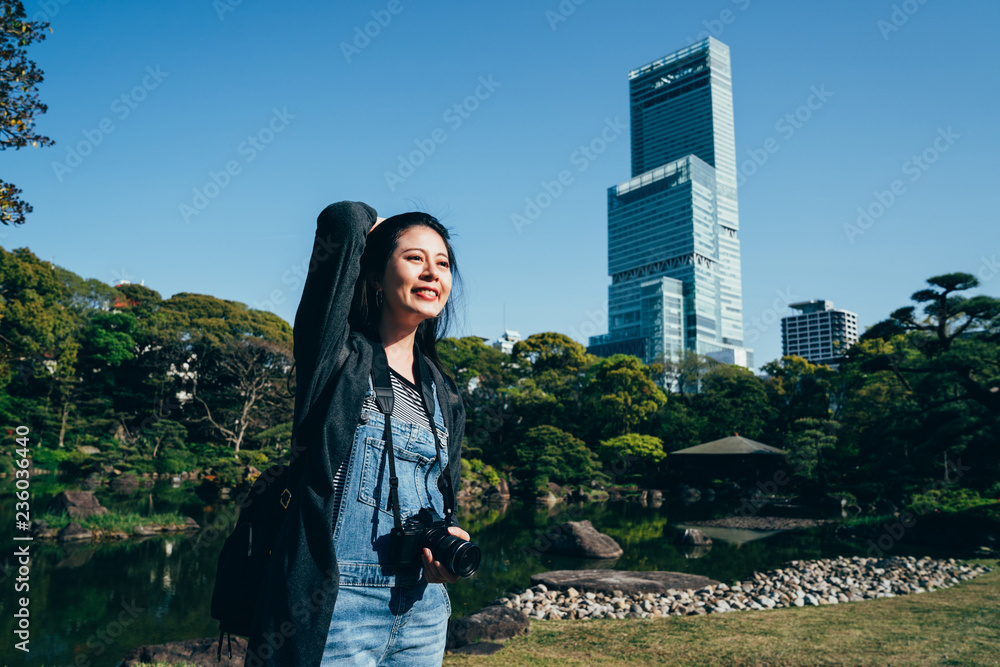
(91, 602)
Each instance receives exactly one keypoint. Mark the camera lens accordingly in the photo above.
(458, 555)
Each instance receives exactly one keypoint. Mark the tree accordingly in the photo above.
(622, 394)
(19, 103)
(933, 371)
(682, 373)
(552, 351)
(796, 389)
(807, 442)
(641, 452)
(732, 400)
(243, 381)
(482, 374)
(550, 454)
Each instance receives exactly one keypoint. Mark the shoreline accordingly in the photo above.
(798, 584)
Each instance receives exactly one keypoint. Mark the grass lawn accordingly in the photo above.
(956, 626)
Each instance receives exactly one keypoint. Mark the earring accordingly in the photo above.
(378, 298)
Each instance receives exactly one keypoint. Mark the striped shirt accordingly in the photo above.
(407, 406)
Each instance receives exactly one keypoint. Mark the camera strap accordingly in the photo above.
(384, 398)
(385, 401)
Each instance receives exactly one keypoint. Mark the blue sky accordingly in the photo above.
(198, 140)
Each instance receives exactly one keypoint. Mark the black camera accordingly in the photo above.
(428, 530)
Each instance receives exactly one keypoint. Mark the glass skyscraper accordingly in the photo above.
(673, 246)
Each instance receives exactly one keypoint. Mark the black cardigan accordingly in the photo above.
(333, 362)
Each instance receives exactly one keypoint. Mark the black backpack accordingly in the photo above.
(242, 565)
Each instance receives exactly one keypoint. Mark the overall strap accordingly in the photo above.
(425, 376)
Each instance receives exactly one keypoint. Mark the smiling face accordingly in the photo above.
(417, 278)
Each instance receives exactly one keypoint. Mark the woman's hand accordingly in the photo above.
(434, 571)
(378, 221)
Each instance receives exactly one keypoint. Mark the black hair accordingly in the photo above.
(381, 243)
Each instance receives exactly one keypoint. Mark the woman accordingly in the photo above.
(333, 594)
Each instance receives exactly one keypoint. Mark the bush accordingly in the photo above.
(475, 469)
(948, 500)
(174, 462)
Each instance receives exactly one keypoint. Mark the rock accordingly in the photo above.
(694, 537)
(41, 530)
(88, 449)
(629, 583)
(493, 622)
(580, 538)
(74, 532)
(498, 492)
(124, 484)
(78, 504)
(145, 530)
(200, 652)
(690, 495)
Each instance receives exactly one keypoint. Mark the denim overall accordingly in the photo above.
(386, 615)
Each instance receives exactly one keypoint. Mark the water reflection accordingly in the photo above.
(737, 536)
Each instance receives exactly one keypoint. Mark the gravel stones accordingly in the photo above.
(609, 593)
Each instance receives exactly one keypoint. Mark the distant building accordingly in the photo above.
(505, 343)
(673, 229)
(822, 334)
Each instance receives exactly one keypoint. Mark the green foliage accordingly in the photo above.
(949, 500)
(477, 470)
(552, 352)
(175, 462)
(623, 394)
(482, 375)
(807, 443)
(19, 78)
(642, 452)
(920, 390)
(733, 400)
(114, 521)
(551, 453)
(796, 389)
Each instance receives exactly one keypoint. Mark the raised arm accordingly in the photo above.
(321, 328)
